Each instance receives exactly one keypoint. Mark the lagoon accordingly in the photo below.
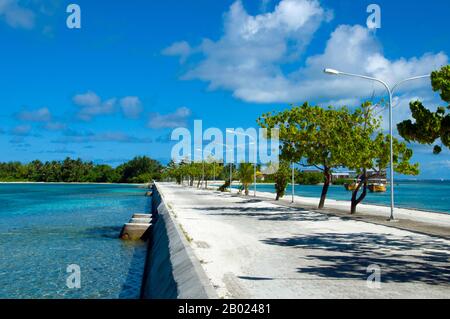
(44, 228)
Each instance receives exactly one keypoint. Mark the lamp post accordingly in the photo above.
(293, 183)
(188, 156)
(214, 164)
(391, 138)
(231, 165)
(256, 155)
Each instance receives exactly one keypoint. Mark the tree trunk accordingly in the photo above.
(198, 184)
(278, 197)
(357, 201)
(326, 185)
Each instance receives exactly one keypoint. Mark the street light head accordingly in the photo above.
(331, 71)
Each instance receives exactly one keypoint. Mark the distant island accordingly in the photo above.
(141, 169)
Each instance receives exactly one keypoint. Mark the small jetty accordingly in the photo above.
(138, 228)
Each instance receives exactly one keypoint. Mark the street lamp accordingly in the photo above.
(293, 182)
(214, 162)
(256, 155)
(391, 139)
(229, 148)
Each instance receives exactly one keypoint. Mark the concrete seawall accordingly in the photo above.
(172, 271)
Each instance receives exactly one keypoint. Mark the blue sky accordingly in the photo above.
(137, 69)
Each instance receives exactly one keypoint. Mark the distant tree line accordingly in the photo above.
(139, 170)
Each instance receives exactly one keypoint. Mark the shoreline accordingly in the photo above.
(365, 202)
(74, 183)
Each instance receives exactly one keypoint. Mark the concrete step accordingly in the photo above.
(140, 220)
(135, 231)
(142, 216)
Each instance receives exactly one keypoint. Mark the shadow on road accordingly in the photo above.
(347, 256)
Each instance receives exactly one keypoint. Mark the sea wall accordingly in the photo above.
(172, 271)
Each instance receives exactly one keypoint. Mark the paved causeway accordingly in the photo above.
(250, 248)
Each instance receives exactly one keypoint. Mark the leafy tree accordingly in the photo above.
(368, 152)
(245, 174)
(313, 133)
(429, 126)
(141, 169)
(281, 179)
(308, 178)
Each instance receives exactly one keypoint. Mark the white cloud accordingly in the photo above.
(172, 120)
(91, 105)
(21, 130)
(181, 49)
(131, 106)
(105, 137)
(16, 15)
(40, 115)
(249, 57)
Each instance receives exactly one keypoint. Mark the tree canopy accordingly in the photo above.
(337, 137)
(312, 133)
(429, 126)
(138, 170)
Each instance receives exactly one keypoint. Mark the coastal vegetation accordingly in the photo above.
(139, 170)
(245, 175)
(338, 138)
(301, 177)
(281, 179)
(430, 126)
(314, 134)
(367, 152)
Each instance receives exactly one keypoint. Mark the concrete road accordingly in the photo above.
(255, 249)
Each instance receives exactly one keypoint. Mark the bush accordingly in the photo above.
(309, 178)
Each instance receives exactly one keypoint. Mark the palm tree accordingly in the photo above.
(245, 174)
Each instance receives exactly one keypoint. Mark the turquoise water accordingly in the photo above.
(46, 228)
(422, 195)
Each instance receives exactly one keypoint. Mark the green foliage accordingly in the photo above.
(342, 181)
(336, 137)
(139, 170)
(282, 178)
(368, 149)
(316, 134)
(308, 178)
(440, 80)
(429, 126)
(193, 171)
(245, 175)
